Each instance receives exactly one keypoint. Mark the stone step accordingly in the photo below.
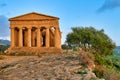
(33, 50)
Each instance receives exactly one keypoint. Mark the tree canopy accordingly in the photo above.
(96, 39)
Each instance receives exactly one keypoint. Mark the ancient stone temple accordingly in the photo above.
(35, 33)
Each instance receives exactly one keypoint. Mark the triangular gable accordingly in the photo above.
(33, 16)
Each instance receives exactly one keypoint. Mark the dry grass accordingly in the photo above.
(112, 76)
(107, 74)
(87, 60)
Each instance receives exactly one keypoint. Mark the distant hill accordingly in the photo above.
(117, 50)
(2, 41)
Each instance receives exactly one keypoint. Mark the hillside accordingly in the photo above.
(7, 42)
(117, 51)
(45, 67)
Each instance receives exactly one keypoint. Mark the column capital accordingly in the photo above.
(20, 27)
(38, 27)
(29, 27)
(57, 28)
(47, 28)
(11, 27)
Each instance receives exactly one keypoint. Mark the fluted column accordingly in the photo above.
(12, 37)
(29, 37)
(38, 37)
(20, 37)
(47, 37)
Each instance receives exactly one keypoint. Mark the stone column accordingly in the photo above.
(29, 37)
(12, 37)
(57, 38)
(20, 37)
(38, 37)
(47, 37)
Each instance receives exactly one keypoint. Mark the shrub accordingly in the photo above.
(99, 59)
(107, 67)
(107, 74)
(111, 75)
(87, 60)
(3, 48)
(100, 71)
(102, 60)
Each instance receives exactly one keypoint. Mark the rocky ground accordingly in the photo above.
(44, 67)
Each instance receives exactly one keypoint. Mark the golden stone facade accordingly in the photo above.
(35, 33)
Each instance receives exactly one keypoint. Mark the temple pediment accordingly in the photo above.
(33, 16)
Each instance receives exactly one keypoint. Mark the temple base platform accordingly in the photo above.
(33, 50)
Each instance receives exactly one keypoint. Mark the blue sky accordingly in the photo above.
(101, 14)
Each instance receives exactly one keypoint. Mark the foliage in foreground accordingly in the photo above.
(3, 48)
(86, 37)
(107, 67)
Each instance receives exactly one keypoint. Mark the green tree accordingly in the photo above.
(3, 48)
(65, 46)
(97, 40)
